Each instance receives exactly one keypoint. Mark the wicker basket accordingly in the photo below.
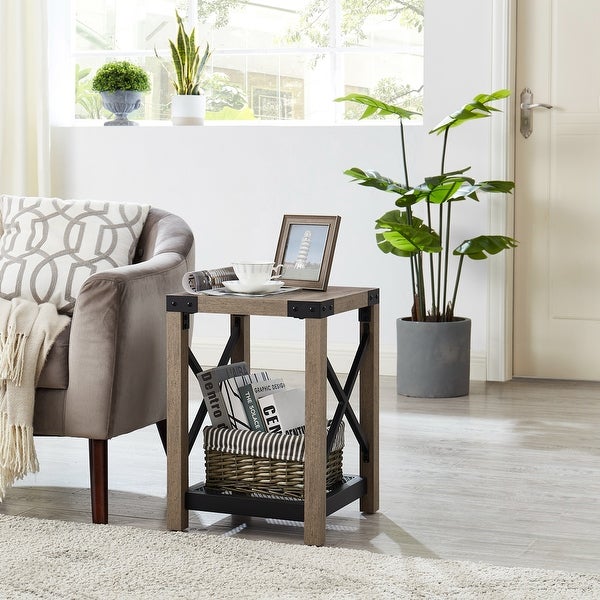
(257, 463)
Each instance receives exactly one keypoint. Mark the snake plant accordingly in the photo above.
(187, 63)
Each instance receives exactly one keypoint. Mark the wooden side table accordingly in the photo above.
(315, 308)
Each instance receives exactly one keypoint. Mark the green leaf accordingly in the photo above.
(497, 95)
(438, 179)
(389, 248)
(444, 192)
(375, 106)
(187, 64)
(178, 83)
(500, 187)
(480, 247)
(477, 109)
(443, 188)
(454, 186)
(205, 58)
(375, 179)
(407, 234)
(81, 73)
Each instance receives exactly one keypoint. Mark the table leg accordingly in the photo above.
(177, 421)
(241, 351)
(316, 439)
(369, 407)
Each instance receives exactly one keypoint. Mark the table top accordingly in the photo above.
(294, 303)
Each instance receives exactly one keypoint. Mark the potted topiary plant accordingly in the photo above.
(121, 84)
(188, 106)
(433, 343)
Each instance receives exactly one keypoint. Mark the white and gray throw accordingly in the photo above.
(27, 332)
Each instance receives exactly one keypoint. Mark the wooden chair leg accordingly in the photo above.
(99, 480)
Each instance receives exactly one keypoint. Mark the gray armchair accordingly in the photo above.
(105, 374)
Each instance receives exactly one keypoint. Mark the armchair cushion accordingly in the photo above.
(49, 247)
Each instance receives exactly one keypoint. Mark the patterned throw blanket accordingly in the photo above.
(27, 332)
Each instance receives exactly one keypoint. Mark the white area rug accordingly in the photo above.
(57, 560)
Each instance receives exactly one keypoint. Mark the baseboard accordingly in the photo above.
(478, 367)
(289, 356)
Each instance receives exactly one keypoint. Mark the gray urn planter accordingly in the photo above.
(433, 359)
(121, 103)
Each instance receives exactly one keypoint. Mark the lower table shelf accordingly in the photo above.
(198, 497)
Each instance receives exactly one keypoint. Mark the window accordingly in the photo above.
(271, 59)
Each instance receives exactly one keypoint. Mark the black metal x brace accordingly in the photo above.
(342, 394)
(343, 398)
(197, 369)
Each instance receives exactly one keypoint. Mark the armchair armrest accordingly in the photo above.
(117, 348)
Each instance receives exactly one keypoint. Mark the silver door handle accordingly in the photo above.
(526, 115)
(526, 106)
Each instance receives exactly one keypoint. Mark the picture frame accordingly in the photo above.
(305, 250)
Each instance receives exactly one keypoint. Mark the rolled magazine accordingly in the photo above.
(196, 282)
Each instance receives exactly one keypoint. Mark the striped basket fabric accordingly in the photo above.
(254, 462)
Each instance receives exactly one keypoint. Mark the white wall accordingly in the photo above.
(233, 183)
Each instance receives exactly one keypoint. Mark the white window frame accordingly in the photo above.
(335, 50)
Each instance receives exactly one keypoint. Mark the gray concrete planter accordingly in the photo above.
(121, 103)
(433, 359)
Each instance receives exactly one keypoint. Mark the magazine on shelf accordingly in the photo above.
(242, 414)
(238, 399)
(211, 382)
(250, 405)
(250, 395)
(282, 411)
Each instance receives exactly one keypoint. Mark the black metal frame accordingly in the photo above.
(197, 369)
(199, 497)
(352, 487)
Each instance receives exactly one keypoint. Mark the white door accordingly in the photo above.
(557, 198)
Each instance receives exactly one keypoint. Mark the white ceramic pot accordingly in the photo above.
(188, 110)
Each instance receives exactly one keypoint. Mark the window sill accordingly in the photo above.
(249, 123)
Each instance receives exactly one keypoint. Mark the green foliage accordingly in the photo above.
(313, 17)
(121, 75)
(403, 235)
(187, 63)
(225, 100)
(411, 12)
(313, 21)
(477, 109)
(376, 107)
(400, 233)
(392, 91)
(478, 248)
(374, 179)
(222, 93)
(218, 10)
(85, 97)
(231, 114)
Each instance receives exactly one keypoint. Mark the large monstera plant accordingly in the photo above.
(425, 240)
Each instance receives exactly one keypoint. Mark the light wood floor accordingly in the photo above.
(508, 475)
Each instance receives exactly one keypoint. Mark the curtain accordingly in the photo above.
(24, 113)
